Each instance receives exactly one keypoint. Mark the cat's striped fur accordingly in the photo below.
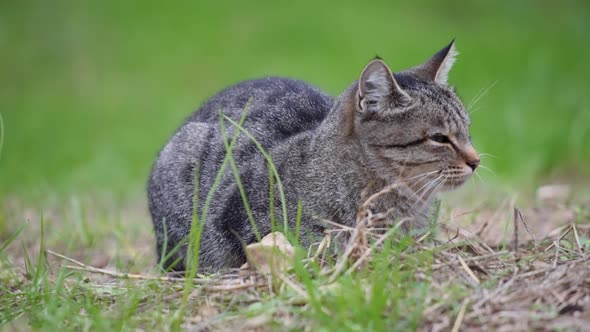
(408, 128)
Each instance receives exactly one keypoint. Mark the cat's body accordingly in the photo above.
(327, 152)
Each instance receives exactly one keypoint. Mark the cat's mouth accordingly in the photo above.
(455, 177)
(445, 179)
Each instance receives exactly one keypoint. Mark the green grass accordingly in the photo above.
(52, 297)
(400, 287)
(90, 91)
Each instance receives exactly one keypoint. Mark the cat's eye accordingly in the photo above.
(440, 138)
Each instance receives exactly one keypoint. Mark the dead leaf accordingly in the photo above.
(272, 255)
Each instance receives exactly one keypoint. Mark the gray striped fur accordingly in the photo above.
(328, 152)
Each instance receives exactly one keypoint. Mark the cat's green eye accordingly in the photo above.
(440, 138)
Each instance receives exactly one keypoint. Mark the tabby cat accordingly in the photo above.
(407, 128)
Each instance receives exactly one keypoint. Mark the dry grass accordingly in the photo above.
(502, 269)
(534, 286)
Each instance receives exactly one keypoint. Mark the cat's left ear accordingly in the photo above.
(437, 68)
(378, 90)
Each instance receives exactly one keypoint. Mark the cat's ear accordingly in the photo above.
(378, 90)
(437, 68)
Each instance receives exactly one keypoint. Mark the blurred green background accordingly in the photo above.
(91, 90)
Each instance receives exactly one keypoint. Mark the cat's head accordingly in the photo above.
(412, 126)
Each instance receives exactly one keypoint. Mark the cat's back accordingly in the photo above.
(277, 105)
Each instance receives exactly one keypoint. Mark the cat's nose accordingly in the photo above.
(473, 163)
(471, 157)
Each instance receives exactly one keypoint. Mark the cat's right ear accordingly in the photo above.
(378, 90)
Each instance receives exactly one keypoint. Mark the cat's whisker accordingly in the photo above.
(420, 178)
(435, 190)
(479, 177)
(424, 197)
(487, 155)
(478, 97)
(428, 184)
(416, 178)
(422, 175)
(425, 189)
(419, 193)
(487, 169)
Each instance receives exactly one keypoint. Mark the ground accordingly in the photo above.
(96, 269)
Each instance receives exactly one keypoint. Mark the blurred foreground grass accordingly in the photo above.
(91, 90)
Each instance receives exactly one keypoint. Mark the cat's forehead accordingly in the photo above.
(435, 103)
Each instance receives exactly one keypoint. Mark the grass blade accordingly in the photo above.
(221, 171)
(42, 258)
(298, 221)
(271, 166)
(271, 200)
(11, 238)
(238, 178)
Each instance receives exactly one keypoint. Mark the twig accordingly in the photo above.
(471, 259)
(294, 286)
(83, 267)
(556, 254)
(385, 190)
(548, 269)
(322, 247)
(213, 285)
(342, 260)
(459, 319)
(332, 223)
(229, 288)
(120, 275)
(559, 239)
(470, 238)
(376, 244)
(515, 222)
(498, 290)
(71, 260)
(577, 239)
(526, 227)
(468, 270)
